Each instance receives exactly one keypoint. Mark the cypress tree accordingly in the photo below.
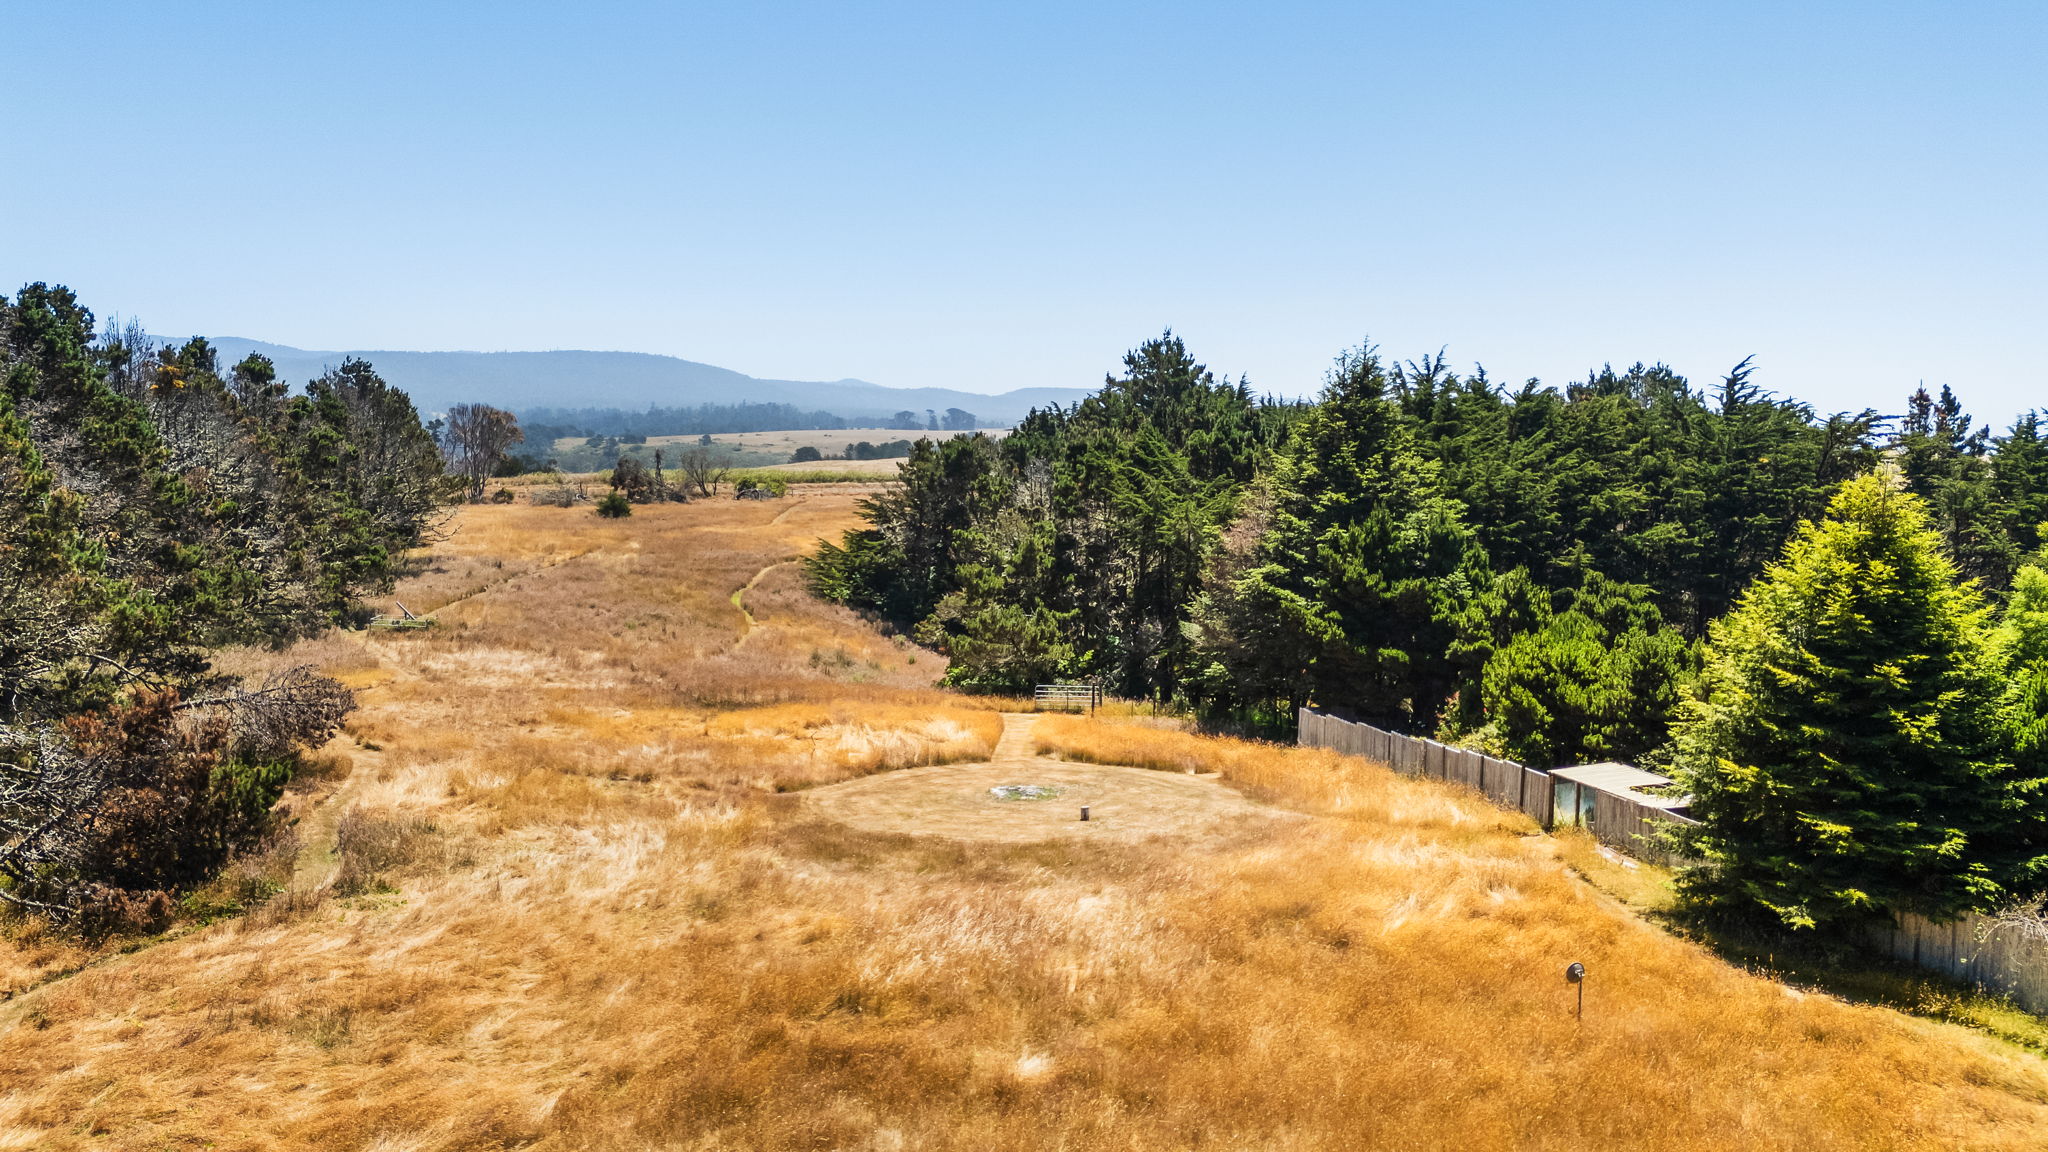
(1845, 747)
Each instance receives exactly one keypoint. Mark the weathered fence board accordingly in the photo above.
(1503, 781)
(1471, 768)
(1538, 794)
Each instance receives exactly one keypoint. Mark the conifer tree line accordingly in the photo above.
(1553, 575)
(156, 506)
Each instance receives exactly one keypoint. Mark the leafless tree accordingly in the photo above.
(703, 469)
(48, 790)
(476, 440)
(292, 709)
(127, 350)
(2025, 918)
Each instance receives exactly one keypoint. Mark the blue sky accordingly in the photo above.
(992, 196)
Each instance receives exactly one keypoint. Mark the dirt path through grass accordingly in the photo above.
(1016, 741)
(739, 599)
(784, 514)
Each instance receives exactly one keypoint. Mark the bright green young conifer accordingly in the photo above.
(1846, 747)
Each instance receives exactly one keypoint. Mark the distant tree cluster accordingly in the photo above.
(886, 450)
(549, 424)
(1553, 575)
(858, 450)
(152, 508)
(1073, 546)
(955, 420)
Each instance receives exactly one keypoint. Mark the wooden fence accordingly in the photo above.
(1990, 954)
(2000, 957)
(1503, 781)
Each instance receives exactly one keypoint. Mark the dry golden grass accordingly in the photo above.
(553, 900)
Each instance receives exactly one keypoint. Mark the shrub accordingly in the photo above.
(369, 844)
(632, 479)
(104, 911)
(614, 505)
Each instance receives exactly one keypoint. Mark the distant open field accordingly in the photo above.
(881, 468)
(642, 847)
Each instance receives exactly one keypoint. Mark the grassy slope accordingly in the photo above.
(588, 920)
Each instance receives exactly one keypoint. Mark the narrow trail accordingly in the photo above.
(739, 601)
(1015, 744)
(784, 514)
(502, 581)
(318, 827)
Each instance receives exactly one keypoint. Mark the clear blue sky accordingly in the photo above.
(988, 196)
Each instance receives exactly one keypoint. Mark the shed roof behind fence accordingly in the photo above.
(1622, 780)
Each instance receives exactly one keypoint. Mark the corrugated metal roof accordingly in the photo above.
(1621, 780)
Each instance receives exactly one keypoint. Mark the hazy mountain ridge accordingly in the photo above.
(632, 380)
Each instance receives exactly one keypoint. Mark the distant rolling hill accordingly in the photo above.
(632, 380)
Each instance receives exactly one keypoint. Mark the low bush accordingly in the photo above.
(371, 844)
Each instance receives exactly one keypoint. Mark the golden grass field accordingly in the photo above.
(572, 881)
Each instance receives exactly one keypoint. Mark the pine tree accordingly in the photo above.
(1366, 562)
(1844, 748)
(2020, 475)
(2026, 649)
(1948, 464)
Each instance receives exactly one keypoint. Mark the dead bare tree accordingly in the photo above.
(661, 489)
(703, 469)
(2025, 918)
(476, 440)
(48, 791)
(288, 710)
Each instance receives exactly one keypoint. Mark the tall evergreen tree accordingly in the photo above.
(1947, 463)
(2026, 643)
(1365, 561)
(2019, 473)
(1844, 749)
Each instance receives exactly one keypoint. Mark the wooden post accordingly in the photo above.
(1084, 812)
